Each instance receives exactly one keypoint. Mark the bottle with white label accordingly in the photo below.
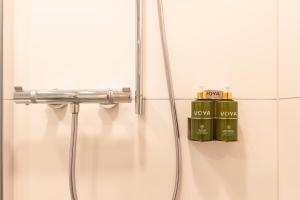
(226, 121)
(202, 120)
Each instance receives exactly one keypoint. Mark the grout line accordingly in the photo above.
(288, 98)
(241, 99)
(190, 99)
(278, 99)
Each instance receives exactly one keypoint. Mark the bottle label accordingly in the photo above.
(214, 94)
(227, 110)
(227, 131)
(228, 115)
(202, 120)
(202, 109)
(201, 129)
(202, 113)
(227, 121)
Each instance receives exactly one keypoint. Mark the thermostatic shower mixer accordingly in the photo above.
(63, 97)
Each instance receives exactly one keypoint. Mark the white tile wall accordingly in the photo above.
(244, 170)
(67, 44)
(46, 52)
(119, 156)
(289, 42)
(8, 150)
(90, 44)
(289, 149)
(8, 56)
(219, 43)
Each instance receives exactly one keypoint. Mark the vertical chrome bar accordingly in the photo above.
(139, 58)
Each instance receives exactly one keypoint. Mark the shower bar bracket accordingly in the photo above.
(139, 99)
(59, 98)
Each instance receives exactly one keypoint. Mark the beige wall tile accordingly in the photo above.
(289, 149)
(289, 46)
(8, 48)
(119, 156)
(244, 170)
(8, 151)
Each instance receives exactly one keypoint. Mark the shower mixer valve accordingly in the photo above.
(59, 98)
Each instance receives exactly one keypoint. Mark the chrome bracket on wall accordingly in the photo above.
(60, 98)
(139, 99)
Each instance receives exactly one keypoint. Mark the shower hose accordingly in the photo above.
(73, 144)
(75, 111)
(171, 99)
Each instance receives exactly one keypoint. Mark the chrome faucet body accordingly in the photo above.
(106, 97)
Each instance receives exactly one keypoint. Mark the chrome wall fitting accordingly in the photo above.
(57, 106)
(60, 98)
(139, 99)
(111, 95)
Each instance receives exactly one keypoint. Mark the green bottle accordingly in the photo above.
(226, 122)
(202, 123)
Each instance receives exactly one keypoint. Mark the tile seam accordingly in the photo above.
(278, 100)
(190, 99)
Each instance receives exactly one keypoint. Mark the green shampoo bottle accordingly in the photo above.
(201, 122)
(226, 121)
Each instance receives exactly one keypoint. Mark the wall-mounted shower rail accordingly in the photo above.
(139, 59)
(72, 96)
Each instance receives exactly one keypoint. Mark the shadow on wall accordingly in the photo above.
(53, 136)
(107, 153)
(106, 138)
(113, 147)
(43, 154)
(105, 150)
(113, 139)
(219, 168)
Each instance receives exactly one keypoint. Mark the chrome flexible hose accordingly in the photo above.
(171, 99)
(75, 110)
(73, 144)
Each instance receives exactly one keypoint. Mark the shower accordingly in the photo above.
(167, 65)
(58, 99)
(110, 98)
